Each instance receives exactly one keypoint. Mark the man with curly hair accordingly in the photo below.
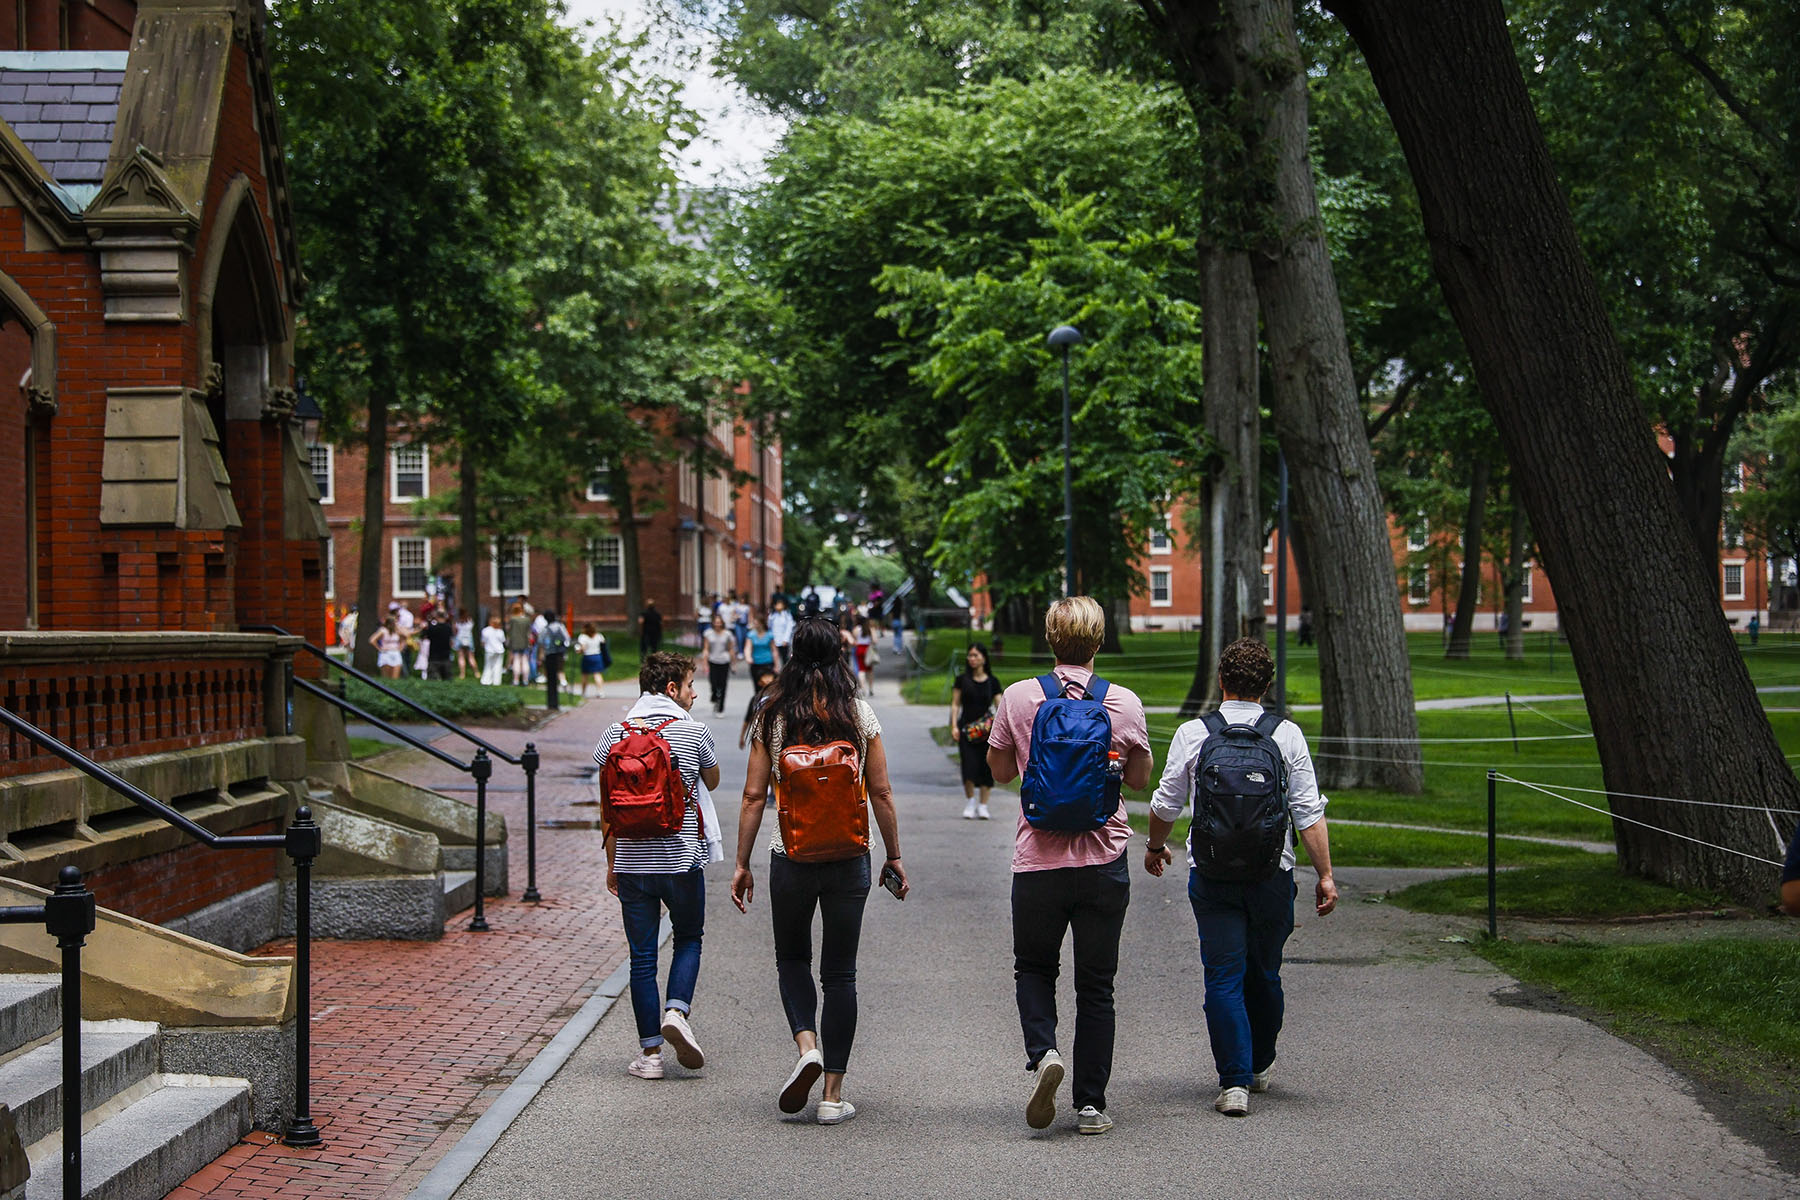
(1244, 924)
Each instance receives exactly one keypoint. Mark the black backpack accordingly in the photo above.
(1241, 813)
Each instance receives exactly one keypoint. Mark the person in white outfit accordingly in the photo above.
(493, 651)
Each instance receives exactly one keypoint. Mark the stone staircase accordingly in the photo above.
(144, 1130)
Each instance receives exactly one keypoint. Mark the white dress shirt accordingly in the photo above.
(1176, 790)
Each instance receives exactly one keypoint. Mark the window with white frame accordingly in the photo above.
(329, 561)
(1418, 585)
(1160, 541)
(1525, 584)
(606, 566)
(1160, 594)
(1268, 587)
(1418, 534)
(407, 468)
(599, 486)
(1734, 477)
(412, 563)
(1734, 581)
(323, 464)
(511, 567)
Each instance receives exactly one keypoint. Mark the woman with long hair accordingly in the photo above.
(971, 717)
(813, 702)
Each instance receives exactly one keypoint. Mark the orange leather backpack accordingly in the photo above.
(821, 803)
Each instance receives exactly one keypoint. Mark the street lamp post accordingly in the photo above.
(1063, 337)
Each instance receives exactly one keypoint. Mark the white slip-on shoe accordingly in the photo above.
(800, 1080)
(647, 1066)
(1092, 1120)
(677, 1033)
(835, 1112)
(1233, 1101)
(983, 813)
(969, 811)
(1040, 1110)
(1259, 1082)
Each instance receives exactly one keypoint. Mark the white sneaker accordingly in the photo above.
(1259, 1082)
(983, 813)
(799, 1083)
(969, 811)
(1092, 1120)
(1233, 1101)
(1040, 1110)
(676, 1032)
(647, 1066)
(835, 1112)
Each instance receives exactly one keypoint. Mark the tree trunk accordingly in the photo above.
(625, 512)
(469, 537)
(1697, 468)
(1672, 706)
(369, 609)
(1469, 595)
(1231, 526)
(1518, 545)
(1109, 640)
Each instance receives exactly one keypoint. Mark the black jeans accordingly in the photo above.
(553, 680)
(838, 890)
(1092, 901)
(720, 675)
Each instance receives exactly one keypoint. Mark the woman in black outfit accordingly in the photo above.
(972, 701)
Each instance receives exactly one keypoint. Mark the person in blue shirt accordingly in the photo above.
(757, 647)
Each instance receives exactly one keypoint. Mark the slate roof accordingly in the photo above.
(63, 105)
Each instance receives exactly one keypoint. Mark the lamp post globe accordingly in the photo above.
(1063, 338)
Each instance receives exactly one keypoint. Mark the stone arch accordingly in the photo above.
(16, 304)
(240, 258)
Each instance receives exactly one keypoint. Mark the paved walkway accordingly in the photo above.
(413, 1040)
(1409, 1067)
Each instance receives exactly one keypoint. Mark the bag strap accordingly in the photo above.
(1052, 686)
(1214, 721)
(1268, 723)
(1097, 689)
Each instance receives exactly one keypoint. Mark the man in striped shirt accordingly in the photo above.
(650, 874)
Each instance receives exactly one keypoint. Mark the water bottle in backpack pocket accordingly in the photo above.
(1067, 785)
(1241, 816)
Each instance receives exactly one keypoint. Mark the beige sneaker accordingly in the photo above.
(647, 1066)
(800, 1080)
(835, 1112)
(677, 1033)
(1092, 1120)
(1259, 1082)
(1233, 1101)
(1040, 1110)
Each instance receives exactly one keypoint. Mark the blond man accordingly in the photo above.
(1065, 879)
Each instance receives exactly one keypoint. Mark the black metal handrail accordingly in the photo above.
(528, 759)
(302, 841)
(480, 769)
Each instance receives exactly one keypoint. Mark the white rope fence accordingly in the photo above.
(1549, 791)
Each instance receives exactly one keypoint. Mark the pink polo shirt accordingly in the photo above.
(1048, 849)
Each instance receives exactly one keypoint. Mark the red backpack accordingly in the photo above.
(642, 789)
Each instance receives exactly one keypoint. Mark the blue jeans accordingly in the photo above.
(1243, 928)
(642, 899)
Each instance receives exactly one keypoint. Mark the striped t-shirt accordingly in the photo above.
(691, 743)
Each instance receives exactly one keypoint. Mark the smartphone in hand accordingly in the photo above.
(890, 879)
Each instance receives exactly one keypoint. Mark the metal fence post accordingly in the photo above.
(1493, 857)
(1511, 723)
(529, 760)
(69, 918)
(482, 769)
(304, 841)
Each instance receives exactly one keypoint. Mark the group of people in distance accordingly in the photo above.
(1075, 741)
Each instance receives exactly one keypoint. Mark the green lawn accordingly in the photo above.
(1359, 846)
(362, 747)
(1589, 888)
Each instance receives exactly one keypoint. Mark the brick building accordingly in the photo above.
(697, 531)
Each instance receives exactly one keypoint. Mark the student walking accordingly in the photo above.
(649, 630)
(972, 699)
(518, 643)
(781, 628)
(659, 838)
(595, 658)
(553, 652)
(759, 649)
(387, 642)
(1075, 738)
(465, 644)
(720, 648)
(1250, 776)
(821, 746)
(493, 651)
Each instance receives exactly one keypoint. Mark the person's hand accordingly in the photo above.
(743, 887)
(955, 734)
(1156, 860)
(1325, 895)
(900, 870)
(612, 881)
(740, 741)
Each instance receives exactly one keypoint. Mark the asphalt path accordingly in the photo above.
(1408, 1067)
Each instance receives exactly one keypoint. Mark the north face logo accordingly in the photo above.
(1256, 777)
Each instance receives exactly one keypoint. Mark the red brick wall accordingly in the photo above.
(15, 552)
(169, 885)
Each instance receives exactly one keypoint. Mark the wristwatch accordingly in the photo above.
(1156, 849)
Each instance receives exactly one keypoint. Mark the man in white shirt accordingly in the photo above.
(1244, 924)
(781, 628)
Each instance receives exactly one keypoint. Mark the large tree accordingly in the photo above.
(1240, 63)
(1674, 712)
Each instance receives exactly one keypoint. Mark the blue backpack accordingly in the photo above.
(1067, 785)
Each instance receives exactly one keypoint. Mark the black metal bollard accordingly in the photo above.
(483, 770)
(69, 918)
(304, 841)
(529, 760)
(1493, 856)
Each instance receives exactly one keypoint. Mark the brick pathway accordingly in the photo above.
(413, 1040)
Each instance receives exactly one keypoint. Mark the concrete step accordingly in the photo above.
(30, 1010)
(115, 1055)
(459, 891)
(152, 1143)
